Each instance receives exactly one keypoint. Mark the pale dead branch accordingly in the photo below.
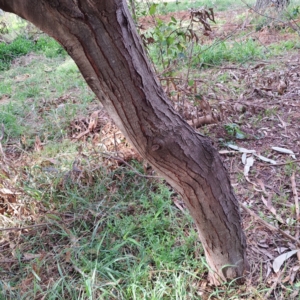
(269, 226)
(295, 194)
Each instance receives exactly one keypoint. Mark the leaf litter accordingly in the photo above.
(276, 142)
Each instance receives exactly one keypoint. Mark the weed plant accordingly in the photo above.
(22, 46)
(206, 55)
(8, 52)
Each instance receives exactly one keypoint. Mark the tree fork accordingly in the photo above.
(101, 38)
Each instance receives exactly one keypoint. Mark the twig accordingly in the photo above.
(23, 228)
(273, 287)
(2, 132)
(78, 270)
(269, 17)
(1, 138)
(269, 226)
(6, 261)
(224, 68)
(115, 143)
(80, 135)
(281, 164)
(190, 56)
(178, 78)
(295, 194)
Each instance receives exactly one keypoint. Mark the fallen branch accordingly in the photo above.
(12, 260)
(269, 226)
(295, 194)
(1, 138)
(278, 165)
(23, 228)
(274, 285)
(80, 135)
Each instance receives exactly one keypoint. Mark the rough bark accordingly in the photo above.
(101, 38)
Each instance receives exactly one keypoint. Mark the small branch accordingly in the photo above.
(1, 138)
(273, 18)
(278, 165)
(7, 261)
(23, 228)
(224, 68)
(295, 194)
(80, 135)
(78, 270)
(274, 285)
(178, 78)
(269, 226)
(2, 132)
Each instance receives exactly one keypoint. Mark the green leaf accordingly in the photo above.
(174, 20)
(180, 46)
(279, 261)
(191, 82)
(240, 135)
(152, 9)
(170, 40)
(159, 22)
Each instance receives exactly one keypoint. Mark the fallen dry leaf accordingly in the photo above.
(38, 146)
(281, 88)
(93, 120)
(20, 78)
(29, 256)
(279, 261)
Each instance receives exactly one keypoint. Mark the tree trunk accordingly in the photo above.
(101, 38)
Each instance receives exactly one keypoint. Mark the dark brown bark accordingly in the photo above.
(101, 38)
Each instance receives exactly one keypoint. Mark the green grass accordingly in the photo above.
(231, 51)
(165, 7)
(19, 47)
(10, 117)
(22, 46)
(45, 101)
(122, 239)
(284, 46)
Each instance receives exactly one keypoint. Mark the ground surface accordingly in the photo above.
(254, 105)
